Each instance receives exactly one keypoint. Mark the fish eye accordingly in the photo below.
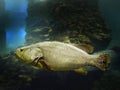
(21, 50)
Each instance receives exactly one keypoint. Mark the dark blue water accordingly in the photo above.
(110, 10)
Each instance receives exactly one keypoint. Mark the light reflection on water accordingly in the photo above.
(15, 38)
(17, 13)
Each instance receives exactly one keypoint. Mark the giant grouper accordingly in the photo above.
(59, 56)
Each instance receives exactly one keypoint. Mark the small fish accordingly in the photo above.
(46, 35)
(58, 56)
(37, 30)
(50, 30)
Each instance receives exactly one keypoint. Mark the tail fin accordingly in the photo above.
(103, 61)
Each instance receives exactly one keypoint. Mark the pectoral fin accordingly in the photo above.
(81, 71)
(44, 65)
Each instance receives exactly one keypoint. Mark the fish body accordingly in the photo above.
(58, 56)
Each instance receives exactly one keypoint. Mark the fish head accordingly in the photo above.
(28, 54)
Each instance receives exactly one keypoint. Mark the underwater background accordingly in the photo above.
(92, 22)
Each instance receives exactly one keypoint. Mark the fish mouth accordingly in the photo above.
(17, 56)
(16, 53)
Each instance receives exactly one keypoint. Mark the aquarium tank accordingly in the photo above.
(95, 23)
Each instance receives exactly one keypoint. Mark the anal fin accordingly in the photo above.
(82, 71)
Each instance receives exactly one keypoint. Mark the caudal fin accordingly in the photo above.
(103, 61)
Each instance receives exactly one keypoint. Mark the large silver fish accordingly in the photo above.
(58, 56)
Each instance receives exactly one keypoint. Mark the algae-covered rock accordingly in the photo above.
(15, 75)
(74, 21)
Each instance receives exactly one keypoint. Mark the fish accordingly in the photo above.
(59, 56)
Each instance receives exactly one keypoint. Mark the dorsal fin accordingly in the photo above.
(86, 47)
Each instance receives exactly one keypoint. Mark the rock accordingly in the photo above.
(80, 23)
(15, 74)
